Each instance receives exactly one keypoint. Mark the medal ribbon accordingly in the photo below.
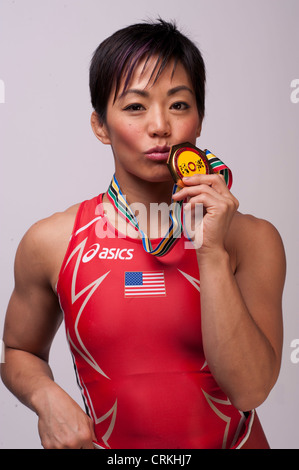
(219, 167)
(121, 206)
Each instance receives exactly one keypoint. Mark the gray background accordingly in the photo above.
(50, 159)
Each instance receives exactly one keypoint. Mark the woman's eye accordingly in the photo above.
(134, 107)
(180, 106)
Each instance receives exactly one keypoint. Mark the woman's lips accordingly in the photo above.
(158, 153)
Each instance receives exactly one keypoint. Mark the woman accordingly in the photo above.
(173, 349)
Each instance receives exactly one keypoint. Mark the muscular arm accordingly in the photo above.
(240, 305)
(242, 315)
(33, 317)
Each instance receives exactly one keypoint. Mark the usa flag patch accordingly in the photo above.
(149, 283)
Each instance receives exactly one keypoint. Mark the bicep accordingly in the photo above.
(260, 276)
(33, 314)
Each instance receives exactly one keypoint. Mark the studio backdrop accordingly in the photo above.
(50, 159)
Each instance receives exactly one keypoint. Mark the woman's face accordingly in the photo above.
(145, 121)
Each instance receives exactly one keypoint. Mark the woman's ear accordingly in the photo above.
(100, 129)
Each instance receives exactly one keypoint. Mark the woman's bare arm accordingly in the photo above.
(32, 319)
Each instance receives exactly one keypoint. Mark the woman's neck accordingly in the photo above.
(144, 192)
(150, 203)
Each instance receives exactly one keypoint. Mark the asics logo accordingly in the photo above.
(107, 253)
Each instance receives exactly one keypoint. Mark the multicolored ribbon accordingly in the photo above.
(121, 206)
(219, 167)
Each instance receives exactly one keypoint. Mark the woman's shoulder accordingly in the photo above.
(248, 228)
(255, 239)
(42, 247)
(54, 226)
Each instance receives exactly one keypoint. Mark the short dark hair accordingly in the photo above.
(118, 55)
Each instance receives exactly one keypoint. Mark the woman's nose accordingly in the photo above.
(159, 124)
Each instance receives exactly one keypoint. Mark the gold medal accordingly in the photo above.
(187, 160)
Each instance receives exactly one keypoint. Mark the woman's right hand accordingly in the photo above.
(62, 422)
